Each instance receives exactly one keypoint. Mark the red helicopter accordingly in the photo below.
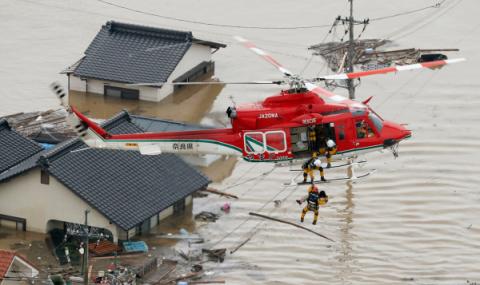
(276, 129)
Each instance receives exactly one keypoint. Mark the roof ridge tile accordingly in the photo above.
(113, 26)
(60, 150)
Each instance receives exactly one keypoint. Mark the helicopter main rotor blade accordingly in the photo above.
(353, 75)
(264, 54)
(278, 82)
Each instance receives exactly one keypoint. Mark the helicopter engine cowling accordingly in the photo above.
(309, 119)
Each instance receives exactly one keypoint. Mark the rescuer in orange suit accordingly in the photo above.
(314, 199)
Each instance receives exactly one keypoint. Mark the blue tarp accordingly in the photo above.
(135, 246)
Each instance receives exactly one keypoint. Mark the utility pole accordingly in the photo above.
(351, 54)
(85, 253)
(350, 60)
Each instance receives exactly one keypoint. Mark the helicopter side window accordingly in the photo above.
(363, 130)
(254, 142)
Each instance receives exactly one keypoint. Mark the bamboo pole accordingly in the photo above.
(289, 223)
(211, 190)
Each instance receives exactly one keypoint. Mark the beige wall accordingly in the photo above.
(25, 197)
(97, 86)
(194, 56)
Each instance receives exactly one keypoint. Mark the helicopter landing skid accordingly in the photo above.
(339, 165)
(349, 178)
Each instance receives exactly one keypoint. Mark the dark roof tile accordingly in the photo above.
(160, 125)
(125, 186)
(121, 123)
(132, 53)
(14, 148)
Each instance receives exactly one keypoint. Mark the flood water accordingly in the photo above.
(415, 221)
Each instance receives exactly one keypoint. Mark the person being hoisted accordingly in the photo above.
(314, 199)
(310, 165)
(331, 150)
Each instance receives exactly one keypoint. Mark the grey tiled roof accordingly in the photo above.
(124, 123)
(160, 125)
(22, 167)
(121, 123)
(14, 148)
(125, 186)
(132, 53)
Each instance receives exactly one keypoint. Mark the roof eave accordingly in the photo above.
(208, 43)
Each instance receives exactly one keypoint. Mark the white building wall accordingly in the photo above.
(25, 197)
(195, 55)
(95, 86)
(76, 84)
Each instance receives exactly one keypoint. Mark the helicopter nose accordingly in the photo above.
(393, 133)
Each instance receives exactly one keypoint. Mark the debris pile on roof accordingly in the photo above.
(42, 126)
(369, 54)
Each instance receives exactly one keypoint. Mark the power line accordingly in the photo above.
(436, 5)
(212, 24)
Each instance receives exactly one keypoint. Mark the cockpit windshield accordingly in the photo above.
(357, 112)
(376, 121)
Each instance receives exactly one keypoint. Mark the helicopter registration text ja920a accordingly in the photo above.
(287, 126)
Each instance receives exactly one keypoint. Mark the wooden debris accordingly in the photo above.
(199, 194)
(241, 244)
(197, 268)
(103, 248)
(289, 223)
(368, 54)
(214, 191)
(182, 277)
(208, 282)
(215, 254)
(48, 125)
(206, 216)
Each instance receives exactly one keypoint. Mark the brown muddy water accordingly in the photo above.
(415, 221)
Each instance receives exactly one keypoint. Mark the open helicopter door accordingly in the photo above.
(308, 139)
(269, 145)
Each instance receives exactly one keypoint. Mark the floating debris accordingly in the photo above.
(225, 207)
(207, 216)
(217, 255)
(214, 191)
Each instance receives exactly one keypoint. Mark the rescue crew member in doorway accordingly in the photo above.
(314, 199)
(310, 165)
(312, 138)
(331, 150)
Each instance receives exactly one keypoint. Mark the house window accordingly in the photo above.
(123, 93)
(179, 206)
(44, 177)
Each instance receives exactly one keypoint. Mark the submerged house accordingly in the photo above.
(122, 54)
(127, 193)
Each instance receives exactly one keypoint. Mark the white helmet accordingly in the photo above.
(330, 143)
